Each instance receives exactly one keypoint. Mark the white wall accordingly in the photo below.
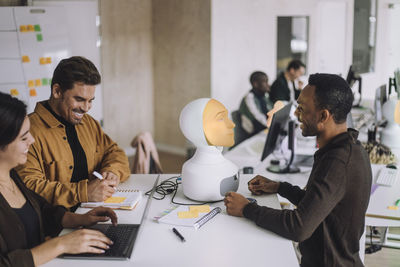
(244, 37)
(387, 48)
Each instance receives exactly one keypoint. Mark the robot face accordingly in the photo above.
(218, 128)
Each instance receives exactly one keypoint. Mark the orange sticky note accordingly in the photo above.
(48, 60)
(32, 92)
(392, 207)
(31, 28)
(42, 60)
(14, 92)
(25, 59)
(187, 214)
(38, 82)
(201, 208)
(115, 200)
(22, 28)
(31, 83)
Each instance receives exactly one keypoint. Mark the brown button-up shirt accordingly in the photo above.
(50, 161)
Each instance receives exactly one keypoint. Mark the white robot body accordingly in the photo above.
(207, 176)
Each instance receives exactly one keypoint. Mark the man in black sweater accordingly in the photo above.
(284, 88)
(328, 220)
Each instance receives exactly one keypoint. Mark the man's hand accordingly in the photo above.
(259, 185)
(235, 203)
(111, 177)
(99, 214)
(99, 190)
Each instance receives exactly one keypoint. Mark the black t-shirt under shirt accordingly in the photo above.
(80, 171)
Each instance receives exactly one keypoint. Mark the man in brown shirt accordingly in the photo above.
(70, 144)
(328, 220)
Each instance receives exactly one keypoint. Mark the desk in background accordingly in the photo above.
(223, 241)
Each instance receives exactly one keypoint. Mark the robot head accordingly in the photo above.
(205, 122)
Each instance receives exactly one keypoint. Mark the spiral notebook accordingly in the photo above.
(181, 216)
(126, 199)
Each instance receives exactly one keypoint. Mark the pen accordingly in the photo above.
(98, 175)
(178, 234)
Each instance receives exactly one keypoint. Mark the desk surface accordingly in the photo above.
(246, 154)
(223, 241)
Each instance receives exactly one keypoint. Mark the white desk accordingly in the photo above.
(223, 241)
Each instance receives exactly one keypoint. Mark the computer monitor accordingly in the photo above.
(281, 126)
(380, 99)
(351, 78)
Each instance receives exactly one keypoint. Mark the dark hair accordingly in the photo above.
(332, 93)
(75, 69)
(295, 64)
(256, 75)
(12, 116)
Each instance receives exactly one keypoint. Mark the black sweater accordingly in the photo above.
(329, 218)
(14, 248)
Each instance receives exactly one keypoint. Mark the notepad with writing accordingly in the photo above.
(192, 216)
(121, 199)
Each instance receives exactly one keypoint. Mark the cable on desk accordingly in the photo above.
(170, 186)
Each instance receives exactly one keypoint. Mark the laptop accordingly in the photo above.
(123, 236)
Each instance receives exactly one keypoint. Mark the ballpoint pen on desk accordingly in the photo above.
(178, 234)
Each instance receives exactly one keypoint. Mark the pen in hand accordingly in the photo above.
(178, 234)
(100, 177)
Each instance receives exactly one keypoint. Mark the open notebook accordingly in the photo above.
(122, 199)
(193, 216)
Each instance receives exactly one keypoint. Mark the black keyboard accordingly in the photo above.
(123, 237)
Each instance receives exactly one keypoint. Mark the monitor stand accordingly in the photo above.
(289, 168)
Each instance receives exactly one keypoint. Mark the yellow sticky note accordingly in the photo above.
(31, 83)
(25, 59)
(187, 214)
(202, 208)
(392, 207)
(48, 60)
(14, 92)
(42, 60)
(38, 82)
(22, 28)
(31, 28)
(115, 200)
(32, 92)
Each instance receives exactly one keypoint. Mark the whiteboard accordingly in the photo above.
(9, 45)
(7, 19)
(33, 40)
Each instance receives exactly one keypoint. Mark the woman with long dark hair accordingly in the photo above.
(29, 225)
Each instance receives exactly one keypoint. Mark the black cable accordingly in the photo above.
(170, 186)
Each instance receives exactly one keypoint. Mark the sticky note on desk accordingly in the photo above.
(392, 207)
(188, 214)
(202, 208)
(115, 200)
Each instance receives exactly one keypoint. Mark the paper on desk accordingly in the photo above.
(173, 217)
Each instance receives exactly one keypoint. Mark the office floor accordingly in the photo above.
(387, 257)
